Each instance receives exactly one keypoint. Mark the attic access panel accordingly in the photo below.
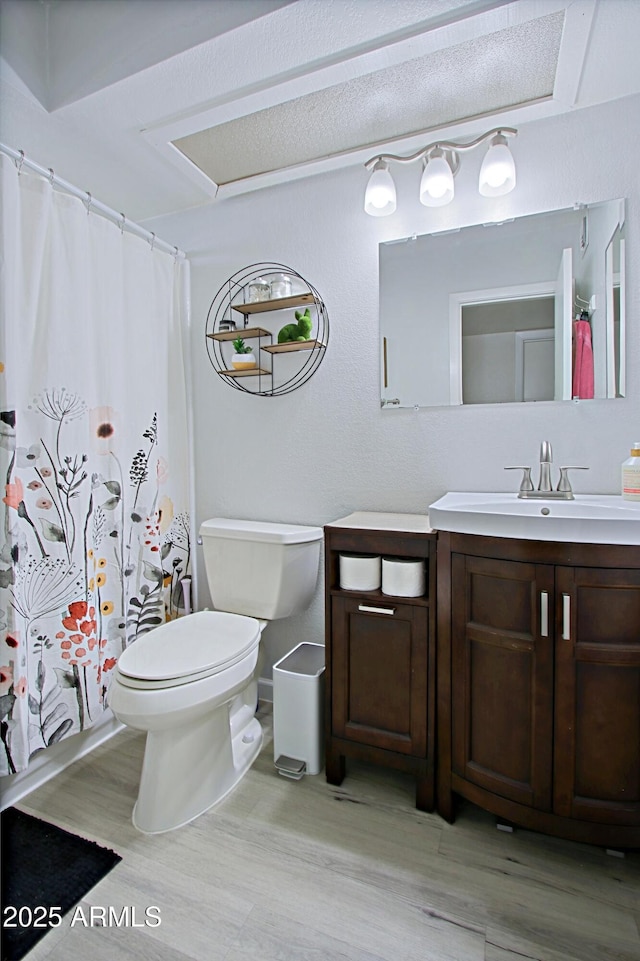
(487, 74)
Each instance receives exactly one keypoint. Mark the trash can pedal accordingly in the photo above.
(290, 767)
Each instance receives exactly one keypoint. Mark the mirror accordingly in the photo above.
(527, 310)
(616, 308)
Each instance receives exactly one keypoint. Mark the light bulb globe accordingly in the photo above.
(380, 195)
(436, 185)
(498, 171)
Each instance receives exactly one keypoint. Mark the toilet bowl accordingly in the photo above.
(192, 684)
(188, 684)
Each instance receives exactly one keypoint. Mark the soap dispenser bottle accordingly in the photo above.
(631, 475)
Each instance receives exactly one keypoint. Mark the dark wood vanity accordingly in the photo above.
(539, 684)
(380, 655)
(537, 700)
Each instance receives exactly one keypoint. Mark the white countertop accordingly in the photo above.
(375, 520)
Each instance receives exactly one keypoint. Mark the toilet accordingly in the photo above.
(192, 684)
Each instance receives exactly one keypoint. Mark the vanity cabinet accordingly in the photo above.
(380, 655)
(539, 684)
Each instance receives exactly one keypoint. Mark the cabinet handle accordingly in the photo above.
(544, 613)
(376, 610)
(566, 617)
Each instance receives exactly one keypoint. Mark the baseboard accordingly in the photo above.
(265, 689)
(55, 759)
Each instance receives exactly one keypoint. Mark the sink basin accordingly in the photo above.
(589, 519)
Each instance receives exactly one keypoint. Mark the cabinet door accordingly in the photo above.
(379, 674)
(502, 677)
(597, 754)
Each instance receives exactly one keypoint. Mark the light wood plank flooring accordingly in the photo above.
(302, 871)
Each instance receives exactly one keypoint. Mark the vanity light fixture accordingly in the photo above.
(441, 161)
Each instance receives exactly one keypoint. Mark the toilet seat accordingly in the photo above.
(188, 649)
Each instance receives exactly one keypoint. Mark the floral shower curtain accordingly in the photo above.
(94, 524)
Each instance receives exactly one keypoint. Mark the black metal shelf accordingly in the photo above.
(222, 327)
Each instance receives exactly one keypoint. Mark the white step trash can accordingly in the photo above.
(298, 711)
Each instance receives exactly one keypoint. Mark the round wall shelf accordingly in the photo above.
(255, 304)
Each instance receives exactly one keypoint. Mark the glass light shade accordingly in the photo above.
(498, 171)
(380, 196)
(436, 185)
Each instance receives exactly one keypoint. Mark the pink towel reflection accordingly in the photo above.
(582, 360)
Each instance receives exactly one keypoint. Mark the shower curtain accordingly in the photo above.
(94, 523)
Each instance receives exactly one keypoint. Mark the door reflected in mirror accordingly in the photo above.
(525, 311)
(616, 306)
(508, 351)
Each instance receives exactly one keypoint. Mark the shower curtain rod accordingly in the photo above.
(90, 203)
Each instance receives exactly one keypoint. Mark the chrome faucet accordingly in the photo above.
(546, 459)
(545, 487)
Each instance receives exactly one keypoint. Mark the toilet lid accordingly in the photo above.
(202, 643)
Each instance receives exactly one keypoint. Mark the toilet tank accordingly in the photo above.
(260, 569)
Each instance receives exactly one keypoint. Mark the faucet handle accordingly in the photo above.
(564, 484)
(526, 484)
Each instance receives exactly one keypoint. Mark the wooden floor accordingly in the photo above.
(302, 871)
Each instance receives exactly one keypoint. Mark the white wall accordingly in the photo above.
(328, 449)
(488, 368)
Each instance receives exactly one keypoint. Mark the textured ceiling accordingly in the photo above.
(511, 67)
(118, 141)
(67, 49)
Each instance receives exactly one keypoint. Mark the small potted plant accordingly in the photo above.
(244, 358)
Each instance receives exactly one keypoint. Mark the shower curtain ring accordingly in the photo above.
(89, 200)
(51, 175)
(122, 223)
(153, 240)
(20, 162)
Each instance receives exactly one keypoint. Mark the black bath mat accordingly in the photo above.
(43, 868)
